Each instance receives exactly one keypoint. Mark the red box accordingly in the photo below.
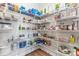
(77, 52)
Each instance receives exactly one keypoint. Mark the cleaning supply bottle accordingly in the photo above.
(19, 27)
(72, 39)
(74, 51)
(16, 8)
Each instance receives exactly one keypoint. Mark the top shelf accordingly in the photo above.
(69, 18)
(33, 16)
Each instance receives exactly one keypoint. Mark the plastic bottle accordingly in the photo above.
(74, 51)
(72, 39)
(15, 8)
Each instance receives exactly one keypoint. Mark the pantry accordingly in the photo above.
(50, 27)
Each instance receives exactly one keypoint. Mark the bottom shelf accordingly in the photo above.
(47, 51)
(62, 54)
(53, 52)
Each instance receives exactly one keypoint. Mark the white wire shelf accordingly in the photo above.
(69, 44)
(70, 18)
(32, 16)
(7, 21)
(5, 30)
(68, 31)
(1, 47)
(74, 44)
(63, 31)
(62, 54)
